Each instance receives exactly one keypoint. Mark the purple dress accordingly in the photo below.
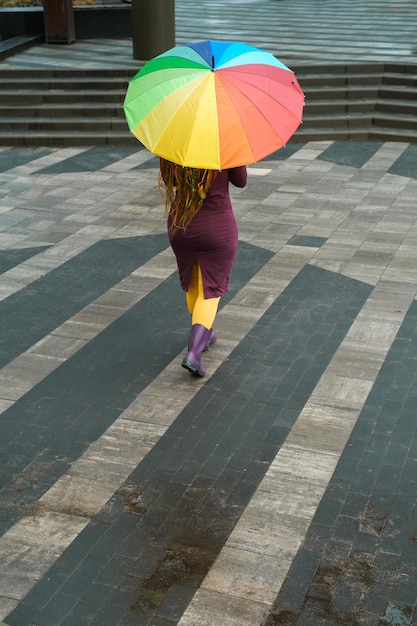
(211, 237)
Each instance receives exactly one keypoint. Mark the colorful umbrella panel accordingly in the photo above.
(214, 104)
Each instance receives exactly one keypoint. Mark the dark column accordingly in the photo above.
(59, 21)
(153, 27)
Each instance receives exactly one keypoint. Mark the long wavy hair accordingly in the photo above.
(184, 190)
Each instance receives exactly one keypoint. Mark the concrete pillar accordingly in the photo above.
(153, 27)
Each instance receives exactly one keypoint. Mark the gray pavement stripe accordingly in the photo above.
(34, 543)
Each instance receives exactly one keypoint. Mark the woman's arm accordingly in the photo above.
(238, 176)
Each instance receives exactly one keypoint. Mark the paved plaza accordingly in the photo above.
(281, 488)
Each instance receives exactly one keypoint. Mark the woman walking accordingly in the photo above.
(203, 234)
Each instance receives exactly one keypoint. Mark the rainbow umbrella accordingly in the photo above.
(214, 104)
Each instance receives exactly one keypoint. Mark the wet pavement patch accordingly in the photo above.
(373, 521)
(334, 594)
(183, 567)
(397, 616)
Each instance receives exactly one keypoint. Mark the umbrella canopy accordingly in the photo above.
(214, 104)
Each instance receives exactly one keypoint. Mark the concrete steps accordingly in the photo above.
(372, 101)
(62, 107)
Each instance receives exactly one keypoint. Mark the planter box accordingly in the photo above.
(103, 22)
(90, 22)
(21, 22)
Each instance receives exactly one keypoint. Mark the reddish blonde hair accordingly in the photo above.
(184, 190)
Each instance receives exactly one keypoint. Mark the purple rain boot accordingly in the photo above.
(212, 339)
(198, 340)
